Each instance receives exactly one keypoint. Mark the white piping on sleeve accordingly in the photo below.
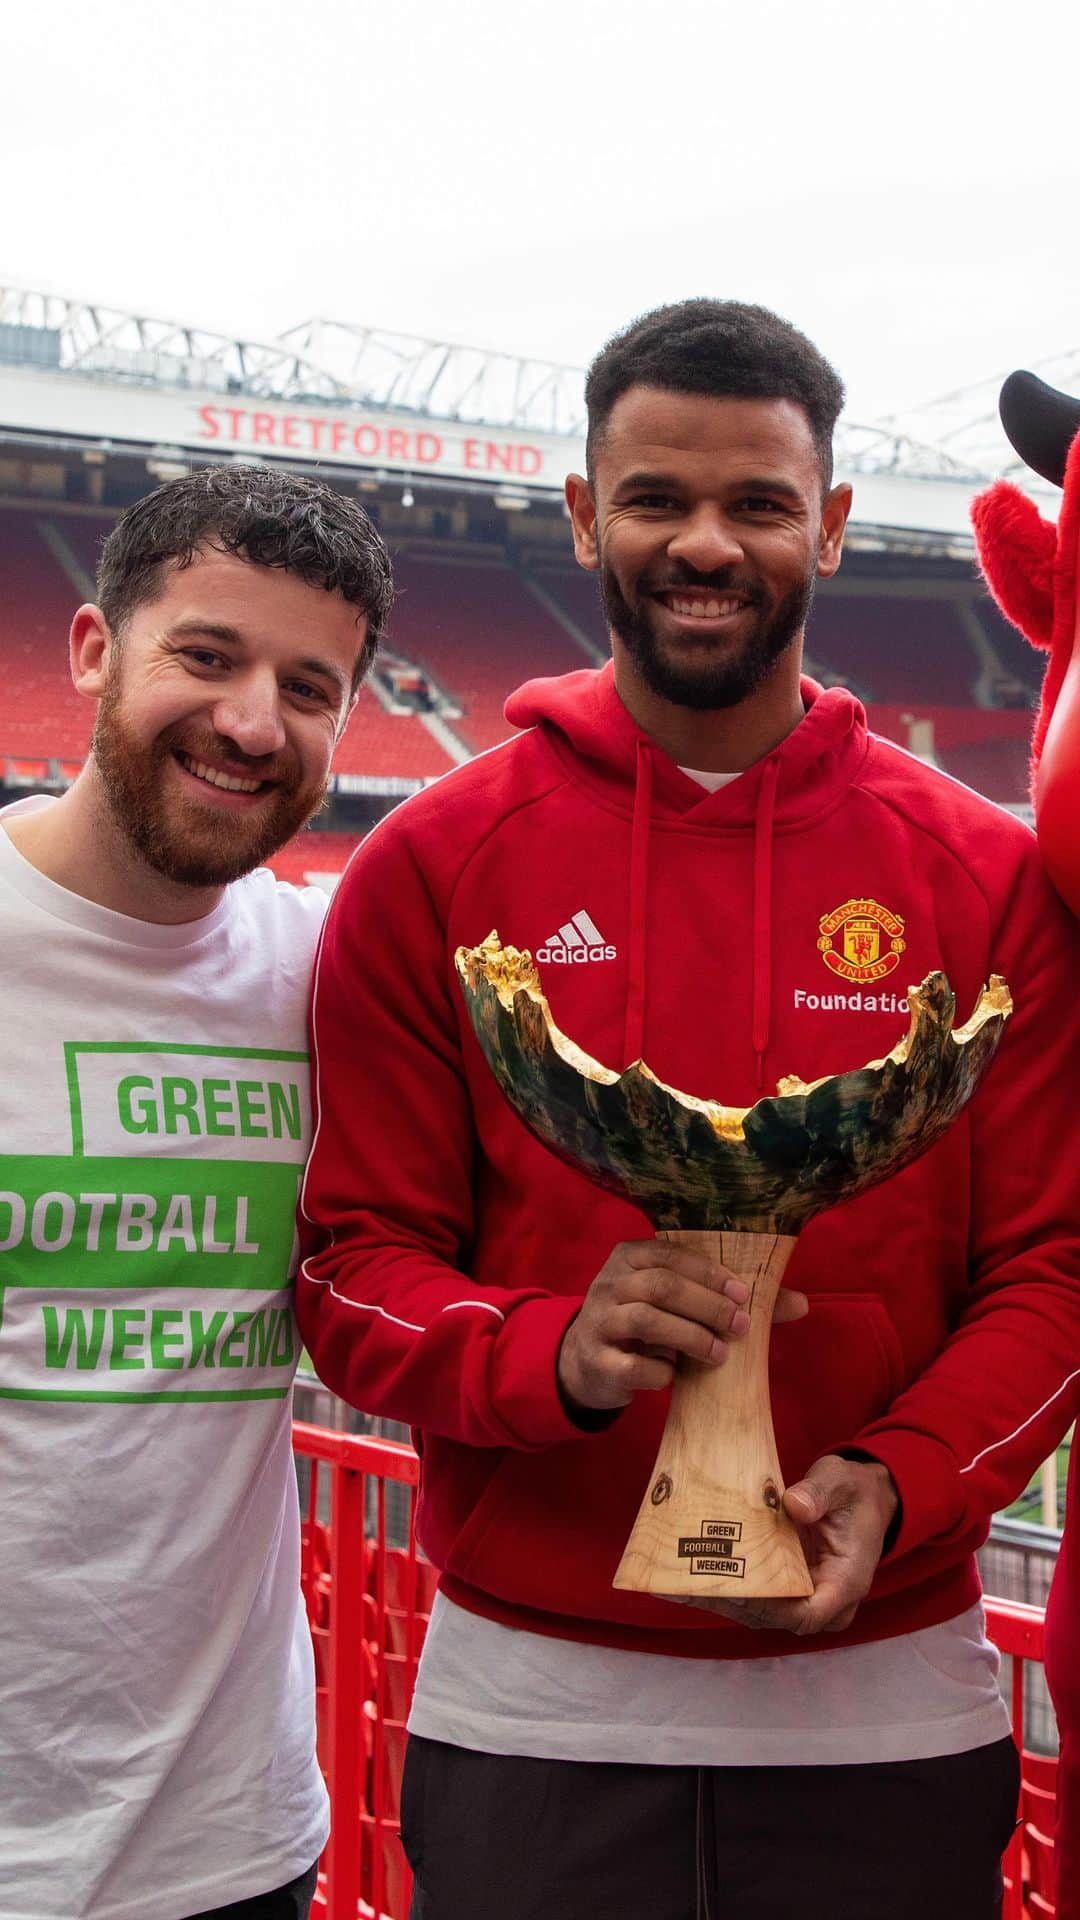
(1010, 1437)
(410, 1326)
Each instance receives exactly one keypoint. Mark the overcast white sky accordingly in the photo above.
(903, 181)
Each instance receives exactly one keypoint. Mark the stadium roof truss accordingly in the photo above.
(954, 438)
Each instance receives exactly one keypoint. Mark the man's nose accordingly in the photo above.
(706, 541)
(250, 714)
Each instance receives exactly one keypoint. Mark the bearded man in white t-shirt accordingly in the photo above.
(157, 1746)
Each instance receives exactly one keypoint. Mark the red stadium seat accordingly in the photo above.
(40, 711)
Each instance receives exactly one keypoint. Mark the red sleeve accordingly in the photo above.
(386, 1309)
(965, 1438)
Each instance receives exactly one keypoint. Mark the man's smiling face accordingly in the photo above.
(222, 704)
(707, 524)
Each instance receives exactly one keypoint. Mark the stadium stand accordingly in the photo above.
(381, 743)
(312, 857)
(895, 650)
(576, 593)
(41, 715)
(478, 632)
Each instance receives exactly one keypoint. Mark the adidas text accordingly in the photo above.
(572, 956)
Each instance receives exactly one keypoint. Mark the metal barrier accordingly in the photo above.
(368, 1594)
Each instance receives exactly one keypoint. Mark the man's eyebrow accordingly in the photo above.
(643, 479)
(209, 630)
(652, 481)
(233, 637)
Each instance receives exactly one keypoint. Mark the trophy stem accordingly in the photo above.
(712, 1523)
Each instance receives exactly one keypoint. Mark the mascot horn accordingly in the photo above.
(1031, 568)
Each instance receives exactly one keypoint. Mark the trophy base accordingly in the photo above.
(712, 1525)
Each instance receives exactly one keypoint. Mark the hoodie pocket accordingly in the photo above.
(830, 1374)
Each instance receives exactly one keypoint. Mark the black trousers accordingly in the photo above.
(287, 1903)
(491, 1838)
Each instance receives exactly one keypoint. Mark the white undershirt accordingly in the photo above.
(497, 1689)
(712, 782)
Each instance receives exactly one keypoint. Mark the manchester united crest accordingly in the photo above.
(861, 940)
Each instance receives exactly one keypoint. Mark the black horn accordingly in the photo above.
(1041, 423)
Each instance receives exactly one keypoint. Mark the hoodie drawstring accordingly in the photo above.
(761, 911)
(634, 1030)
(762, 925)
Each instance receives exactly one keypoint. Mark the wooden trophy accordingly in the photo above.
(737, 1184)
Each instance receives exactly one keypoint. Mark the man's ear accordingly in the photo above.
(582, 506)
(834, 518)
(90, 644)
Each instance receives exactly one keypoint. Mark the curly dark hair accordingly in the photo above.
(263, 514)
(723, 349)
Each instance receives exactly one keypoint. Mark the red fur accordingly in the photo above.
(1064, 628)
(1016, 552)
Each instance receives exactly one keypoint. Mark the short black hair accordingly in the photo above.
(263, 514)
(723, 349)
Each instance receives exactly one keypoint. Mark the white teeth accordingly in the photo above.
(698, 609)
(215, 779)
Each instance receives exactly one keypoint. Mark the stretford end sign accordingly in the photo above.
(68, 404)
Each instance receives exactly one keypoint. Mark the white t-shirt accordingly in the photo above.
(157, 1716)
(499, 1690)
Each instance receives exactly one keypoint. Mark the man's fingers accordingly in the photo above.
(805, 1503)
(671, 1257)
(646, 1327)
(831, 1607)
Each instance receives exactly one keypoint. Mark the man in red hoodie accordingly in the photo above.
(718, 869)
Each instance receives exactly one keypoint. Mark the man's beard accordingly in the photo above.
(191, 844)
(711, 682)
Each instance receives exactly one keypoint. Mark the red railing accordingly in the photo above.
(1029, 1863)
(368, 1596)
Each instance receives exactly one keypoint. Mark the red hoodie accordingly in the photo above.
(769, 928)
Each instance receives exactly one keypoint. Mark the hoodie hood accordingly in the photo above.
(587, 724)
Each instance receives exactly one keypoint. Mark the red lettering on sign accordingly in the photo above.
(501, 457)
(290, 431)
(337, 436)
(262, 429)
(367, 439)
(428, 448)
(397, 444)
(472, 453)
(315, 428)
(530, 459)
(236, 414)
(208, 416)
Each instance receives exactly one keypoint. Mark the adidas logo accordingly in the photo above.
(580, 940)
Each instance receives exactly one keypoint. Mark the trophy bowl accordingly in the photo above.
(738, 1184)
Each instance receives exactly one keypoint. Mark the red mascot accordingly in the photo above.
(1032, 570)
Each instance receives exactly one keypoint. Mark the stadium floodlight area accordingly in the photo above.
(965, 425)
